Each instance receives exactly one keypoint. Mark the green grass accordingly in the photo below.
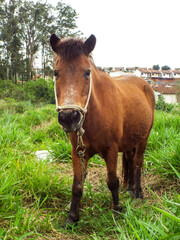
(35, 195)
(163, 150)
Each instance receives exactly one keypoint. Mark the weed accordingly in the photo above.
(162, 105)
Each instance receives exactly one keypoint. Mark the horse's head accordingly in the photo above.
(72, 73)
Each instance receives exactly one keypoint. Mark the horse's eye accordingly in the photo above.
(87, 73)
(56, 73)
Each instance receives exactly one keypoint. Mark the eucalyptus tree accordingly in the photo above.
(10, 37)
(38, 21)
(63, 22)
(30, 16)
(66, 20)
(25, 28)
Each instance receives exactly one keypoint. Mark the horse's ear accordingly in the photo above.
(89, 44)
(54, 42)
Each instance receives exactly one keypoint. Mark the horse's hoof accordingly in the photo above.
(69, 223)
(138, 195)
(130, 193)
(117, 209)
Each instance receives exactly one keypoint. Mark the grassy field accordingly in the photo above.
(35, 195)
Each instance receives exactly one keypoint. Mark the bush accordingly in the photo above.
(162, 105)
(10, 90)
(34, 91)
(37, 91)
(51, 98)
(13, 106)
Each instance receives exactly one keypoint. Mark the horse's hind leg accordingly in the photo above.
(138, 159)
(125, 168)
(128, 169)
(112, 180)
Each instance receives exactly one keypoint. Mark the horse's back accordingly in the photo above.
(135, 87)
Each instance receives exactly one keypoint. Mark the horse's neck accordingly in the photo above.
(103, 88)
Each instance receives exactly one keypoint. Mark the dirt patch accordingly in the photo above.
(97, 176)
(57, 236)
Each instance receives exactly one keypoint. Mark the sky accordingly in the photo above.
(131, 33)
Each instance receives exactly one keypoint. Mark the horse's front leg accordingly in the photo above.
(77, 189)
(112, 179)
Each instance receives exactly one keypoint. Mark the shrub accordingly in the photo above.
(13, 106)
(39, 91)
(34, 91)
(10, 90)
(162, 105)
(20, 107)
(51, 98)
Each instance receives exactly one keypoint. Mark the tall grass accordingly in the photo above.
(35, 194)
(163, 150)
(27, 186)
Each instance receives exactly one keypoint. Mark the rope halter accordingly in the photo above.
(77, 107)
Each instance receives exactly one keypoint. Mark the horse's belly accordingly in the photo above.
(133, 135)
(129, 143)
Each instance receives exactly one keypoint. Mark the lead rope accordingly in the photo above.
(81, 149)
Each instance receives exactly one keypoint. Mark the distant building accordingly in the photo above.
(155, 73)
(152, 76)
(143, 72)
(119, 69)
(169, 93)
(131, 69)
(176, 73)
(167, 74)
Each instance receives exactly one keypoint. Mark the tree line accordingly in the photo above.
(25, 28)
(157, 67)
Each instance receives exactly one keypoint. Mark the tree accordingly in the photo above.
(31, 16)
(156, 67)
(10, 36)
(25, 28)
(165, 67)
(65, 20)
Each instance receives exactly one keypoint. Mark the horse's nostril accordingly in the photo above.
(75, 116)
(62, 116)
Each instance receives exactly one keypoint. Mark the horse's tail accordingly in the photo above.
(150, 95)
(151, 99)
(127, 165)
(125, 169)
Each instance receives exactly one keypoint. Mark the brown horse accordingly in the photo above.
(117, 116)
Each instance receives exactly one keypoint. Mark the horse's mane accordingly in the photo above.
(70, 49)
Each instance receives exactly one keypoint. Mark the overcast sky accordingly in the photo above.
(131, 32)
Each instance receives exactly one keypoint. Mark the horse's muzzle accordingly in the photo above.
(70, 119)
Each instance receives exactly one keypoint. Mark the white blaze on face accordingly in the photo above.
(69, 95)
(54, 79)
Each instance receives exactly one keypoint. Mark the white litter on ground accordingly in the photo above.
(43, 155)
